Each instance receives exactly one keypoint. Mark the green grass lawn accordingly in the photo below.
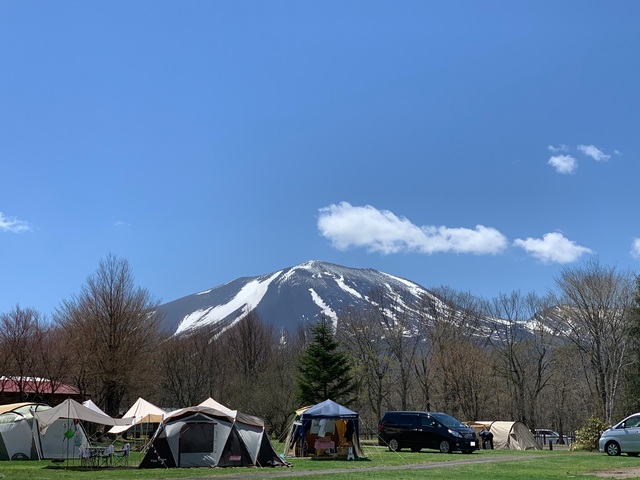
(380, 464)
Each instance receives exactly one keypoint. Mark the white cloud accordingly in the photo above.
(552, 248)
(563, 163)
(635, 248)
(559, 148)
(120, 223)
(13, 225)
(594, 152)
(382, 231)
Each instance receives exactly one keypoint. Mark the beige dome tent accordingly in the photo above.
(508, 435)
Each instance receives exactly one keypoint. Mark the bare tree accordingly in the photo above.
(522, 335)
(451, 321)
(20, 332)
(272, 395)
(402, 337)
(113, 326)
(190, 368)
(363, 335)
(52, 361)
(598, 302)
(248, 344)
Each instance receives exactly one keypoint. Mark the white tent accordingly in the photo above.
(211, 403)
(20, 439)
(141, 412)
(89, 403)
(73, 410)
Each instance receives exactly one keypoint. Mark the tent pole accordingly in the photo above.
(35, 432)
(67, 450)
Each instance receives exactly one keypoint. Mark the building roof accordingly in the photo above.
(34, 385)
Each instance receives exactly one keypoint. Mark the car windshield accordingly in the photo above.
(447, 420)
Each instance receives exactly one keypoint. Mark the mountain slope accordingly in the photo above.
(290, 297)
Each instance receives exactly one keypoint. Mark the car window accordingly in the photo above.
(632, 421)
(427, 422)
(447, 420)
(409, 420)
(391, 417)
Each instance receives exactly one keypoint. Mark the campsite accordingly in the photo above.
(214, 436)
(496, 464)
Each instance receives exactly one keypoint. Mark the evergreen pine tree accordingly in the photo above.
(324, 370)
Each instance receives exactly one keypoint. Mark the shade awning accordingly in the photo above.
(72, 409)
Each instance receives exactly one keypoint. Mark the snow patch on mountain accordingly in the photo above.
(326, 309)
(417, 290)
(347, 288)
(247, 298)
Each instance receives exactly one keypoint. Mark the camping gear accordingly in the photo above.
(142, 412)
(326, 421)
(211, 403)
(21, 439)
(508, 435)
(71, 409)
(201, 436)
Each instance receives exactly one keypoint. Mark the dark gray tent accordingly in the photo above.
(206, 437)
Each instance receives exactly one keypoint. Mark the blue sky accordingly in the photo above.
(480, 145)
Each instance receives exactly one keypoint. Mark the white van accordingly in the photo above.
(624, 437)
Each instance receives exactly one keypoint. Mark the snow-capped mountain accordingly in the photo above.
(290, 297)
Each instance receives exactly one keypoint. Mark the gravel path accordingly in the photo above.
(276, 473)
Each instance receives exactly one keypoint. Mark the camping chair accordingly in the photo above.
(122, 456)
(85, 456)
(106, 458)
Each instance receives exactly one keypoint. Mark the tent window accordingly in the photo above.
(197, 438)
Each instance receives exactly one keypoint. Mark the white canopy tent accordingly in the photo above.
(211, 403)
(141, 412)
(89, 403)
(72, 409)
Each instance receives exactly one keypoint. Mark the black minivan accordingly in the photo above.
(418, 430)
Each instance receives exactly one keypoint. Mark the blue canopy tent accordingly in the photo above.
(335, 424)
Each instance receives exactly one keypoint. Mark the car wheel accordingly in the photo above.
(445, 447)
(612, 449)
(394, 446)
(415, 449)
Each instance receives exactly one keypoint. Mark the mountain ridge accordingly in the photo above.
(289, 297)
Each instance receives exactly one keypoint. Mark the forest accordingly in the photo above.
(550, 361)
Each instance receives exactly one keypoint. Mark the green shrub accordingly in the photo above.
(587, 437)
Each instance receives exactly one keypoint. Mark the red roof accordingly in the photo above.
(34, 385)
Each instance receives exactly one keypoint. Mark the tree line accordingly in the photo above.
(549, 361)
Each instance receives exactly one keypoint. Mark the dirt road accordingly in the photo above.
(289, 473)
